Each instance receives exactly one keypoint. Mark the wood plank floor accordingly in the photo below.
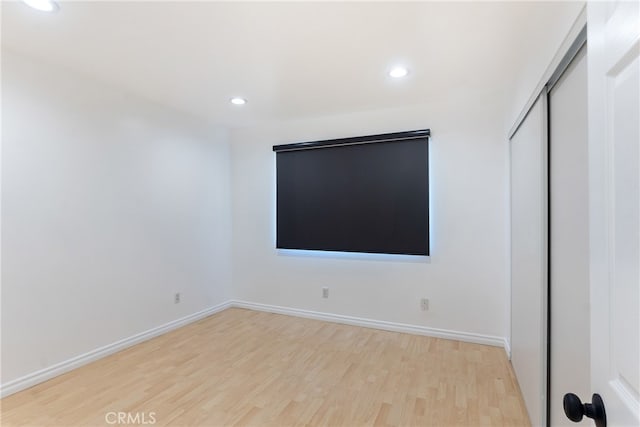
(244, 368)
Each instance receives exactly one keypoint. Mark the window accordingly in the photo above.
(365, 194)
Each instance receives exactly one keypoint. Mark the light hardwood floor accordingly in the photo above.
(241, 367)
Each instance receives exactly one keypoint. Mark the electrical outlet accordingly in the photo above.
(424, 304)
(325, 292)
(176, 298)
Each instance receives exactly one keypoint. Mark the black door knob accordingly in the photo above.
(575, 410)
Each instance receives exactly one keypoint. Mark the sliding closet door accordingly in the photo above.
(529, 259)
(569, 241)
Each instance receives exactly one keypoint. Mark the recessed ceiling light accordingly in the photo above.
(398, 72)
(43, 5)
(238, 101)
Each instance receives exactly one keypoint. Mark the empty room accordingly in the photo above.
(320, 213)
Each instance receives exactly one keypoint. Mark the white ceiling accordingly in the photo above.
(289, 59)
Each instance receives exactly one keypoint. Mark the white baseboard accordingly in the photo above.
(507, 347)
(75, 362)
(376, 324)
(83, 359)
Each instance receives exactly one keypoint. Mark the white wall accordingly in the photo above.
(110, 205)
(466, 275)
(551, 28)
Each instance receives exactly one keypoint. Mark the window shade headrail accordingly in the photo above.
(385, 137)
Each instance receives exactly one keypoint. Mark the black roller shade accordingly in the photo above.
(365, 194)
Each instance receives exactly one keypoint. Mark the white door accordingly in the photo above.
(569, 238)
(529, 259)
(614, 207)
